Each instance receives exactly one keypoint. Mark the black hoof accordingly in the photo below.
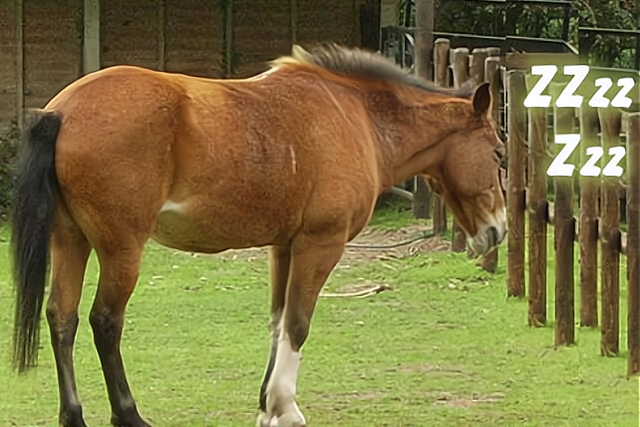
(130, 418)
(72, 417)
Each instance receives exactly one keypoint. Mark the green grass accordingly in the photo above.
(444, 348)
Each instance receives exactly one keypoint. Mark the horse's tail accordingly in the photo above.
(36, 186)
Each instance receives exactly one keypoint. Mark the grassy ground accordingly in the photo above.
(443, 348)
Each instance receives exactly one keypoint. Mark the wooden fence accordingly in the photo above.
(47, 44)
(597, 220)
(530, 148)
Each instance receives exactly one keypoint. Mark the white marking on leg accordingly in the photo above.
(281, 390)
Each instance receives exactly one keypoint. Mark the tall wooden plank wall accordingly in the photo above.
(47, 44)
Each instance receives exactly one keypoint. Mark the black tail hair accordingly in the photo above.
(36, 186)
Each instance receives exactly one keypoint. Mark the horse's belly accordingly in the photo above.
(211, 231)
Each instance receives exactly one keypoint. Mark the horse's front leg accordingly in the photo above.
(312, 260)
(280, 261)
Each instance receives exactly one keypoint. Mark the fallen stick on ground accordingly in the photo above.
(358, 294)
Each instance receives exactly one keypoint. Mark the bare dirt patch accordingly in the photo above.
(371, 244)
(453, 401)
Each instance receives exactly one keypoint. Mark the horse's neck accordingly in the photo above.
(409, 139)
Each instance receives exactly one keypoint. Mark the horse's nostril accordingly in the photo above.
(494, 236)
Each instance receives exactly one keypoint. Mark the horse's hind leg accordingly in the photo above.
(119, 267)
(69, 253)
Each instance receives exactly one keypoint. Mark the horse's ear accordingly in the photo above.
(482, 99)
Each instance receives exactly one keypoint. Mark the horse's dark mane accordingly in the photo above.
(361, 63)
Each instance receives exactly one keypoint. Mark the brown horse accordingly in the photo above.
(293, 158)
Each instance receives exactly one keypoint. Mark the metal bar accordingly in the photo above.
(611, 31)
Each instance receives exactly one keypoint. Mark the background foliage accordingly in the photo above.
(540, 21)
(8, 149)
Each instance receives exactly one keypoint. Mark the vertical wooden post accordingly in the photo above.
(228, 37)
(162, 18)
(423, 44)
(516, 91)
(492, 76)
(538, 213)
(476, 64)
(459, 58)
(293, 20)
(588, 234)
(610, 123)
(633, 244)
(20, 64)
(564, 236)
(425, 12)
(459, 63)
(421, 203)
(91, 36)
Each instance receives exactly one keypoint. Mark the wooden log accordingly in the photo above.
(588, 222)
(459, 58)
(422, 196)
(564, 235)
(516, 92)
(538, 214)
(492, 76)
(610, 123)
(633, 245)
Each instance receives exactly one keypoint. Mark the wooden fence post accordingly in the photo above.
(492, 76)
(538, 213)
(633, 244)
(564, 236)
(476, 64)
(610, 123)
(516, 90)
(588, 226)
(459, 63)
(423, 44)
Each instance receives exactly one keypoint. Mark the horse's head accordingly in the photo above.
(469, 176)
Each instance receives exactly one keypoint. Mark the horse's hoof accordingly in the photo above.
(288, 420)
(72, 417)
(264, 420)
(133, 419)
